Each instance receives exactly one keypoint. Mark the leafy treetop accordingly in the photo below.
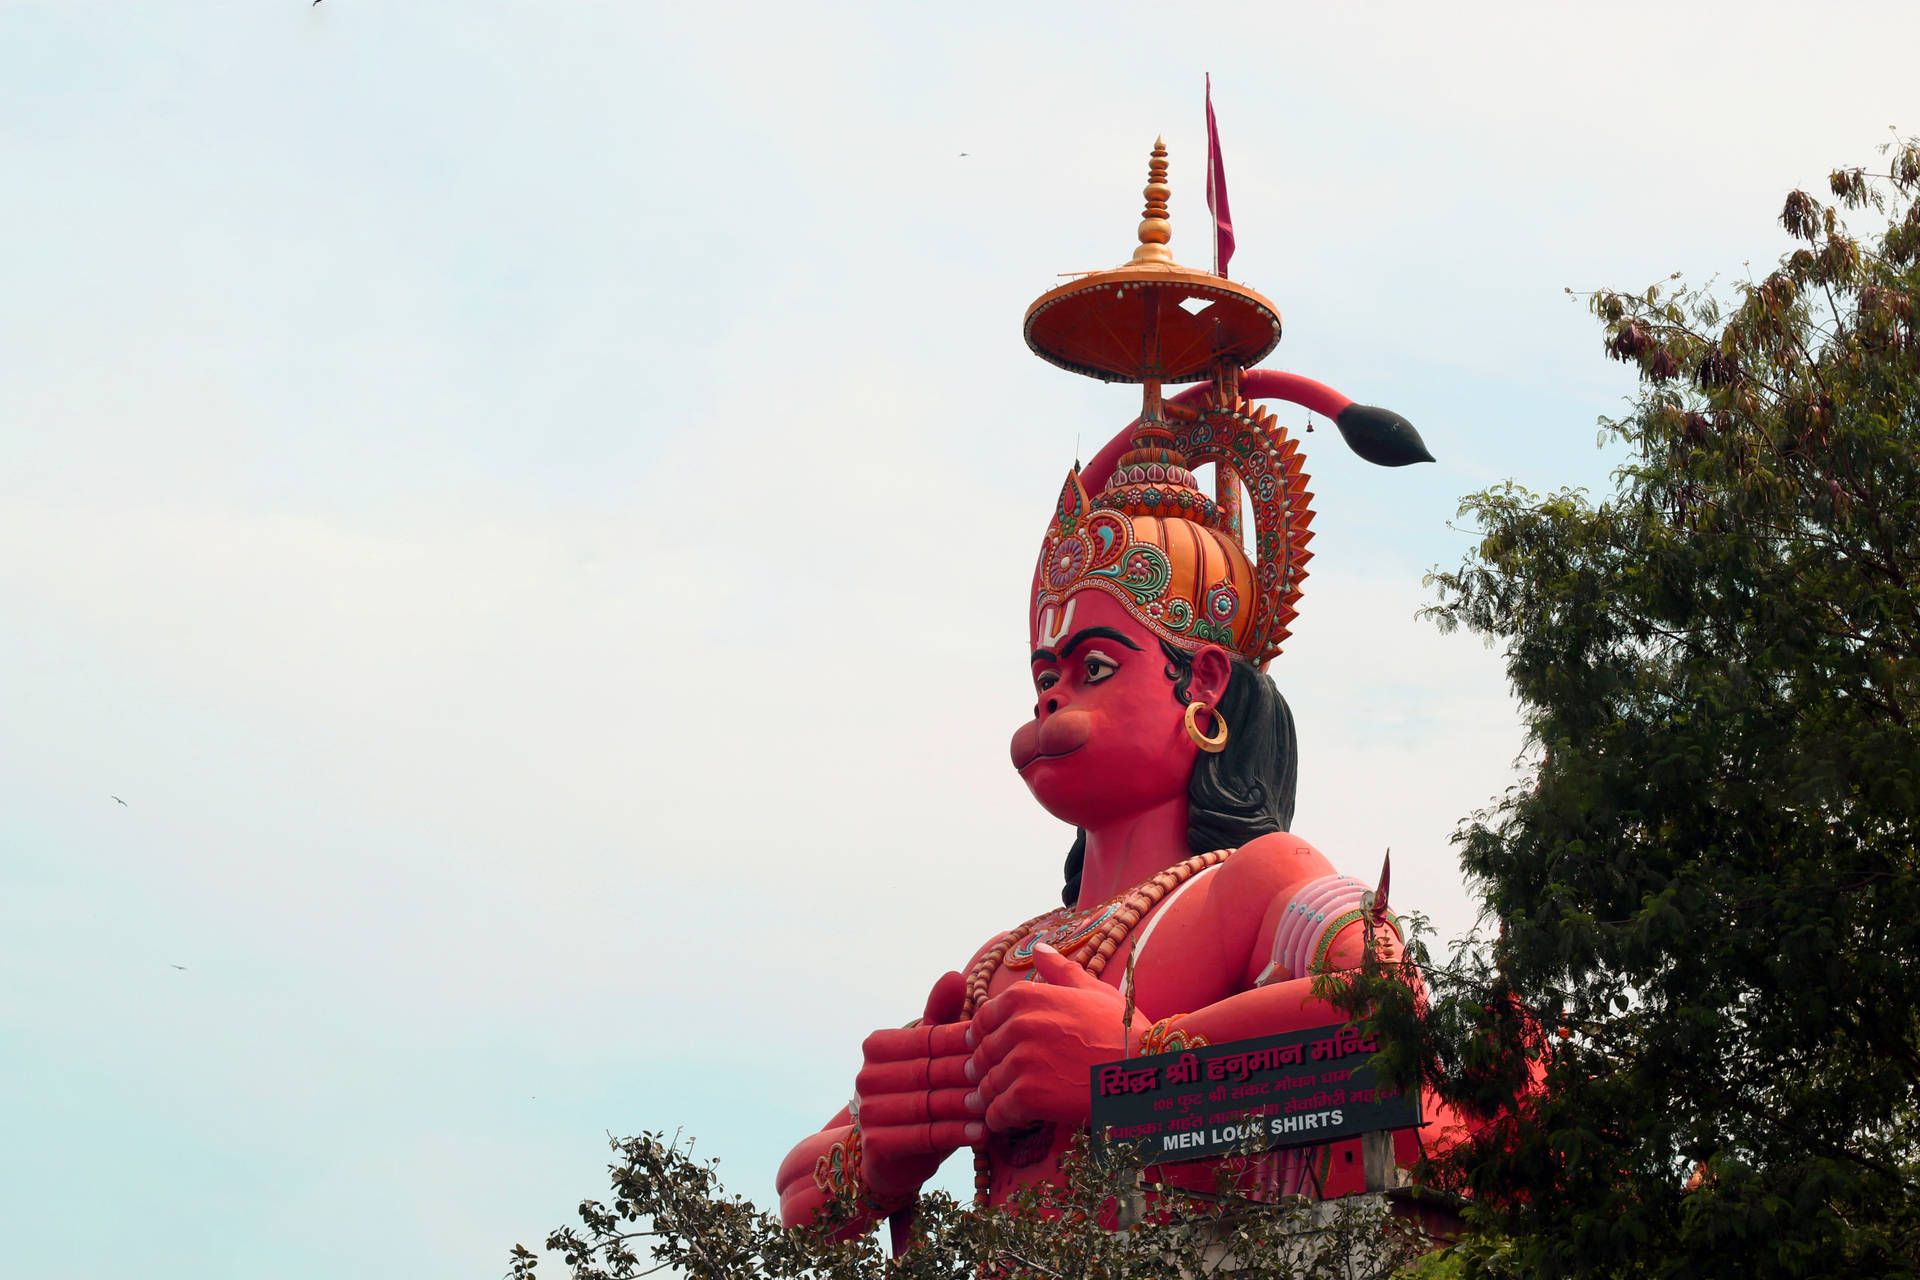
(1703, 968)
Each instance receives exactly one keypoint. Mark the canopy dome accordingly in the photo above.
(1151, 319)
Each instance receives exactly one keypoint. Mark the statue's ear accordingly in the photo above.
(1212, 669)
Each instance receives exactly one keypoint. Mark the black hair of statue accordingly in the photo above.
(1242, 792)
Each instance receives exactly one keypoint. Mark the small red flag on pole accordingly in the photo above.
(1217, 192)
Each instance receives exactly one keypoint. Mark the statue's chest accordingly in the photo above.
(1180, 967)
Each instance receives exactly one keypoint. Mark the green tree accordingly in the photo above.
(669, 1212)
(1701, 966)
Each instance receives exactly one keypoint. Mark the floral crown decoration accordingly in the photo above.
(1171, 555)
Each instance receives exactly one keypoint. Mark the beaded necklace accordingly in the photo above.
(1088, 938)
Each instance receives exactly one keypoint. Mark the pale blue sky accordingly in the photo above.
(531, 505)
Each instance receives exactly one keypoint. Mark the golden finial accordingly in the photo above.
(1155, 230)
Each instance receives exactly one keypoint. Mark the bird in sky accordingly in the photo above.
(182, 968)
(122, 803)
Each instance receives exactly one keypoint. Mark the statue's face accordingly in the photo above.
(1107, 738)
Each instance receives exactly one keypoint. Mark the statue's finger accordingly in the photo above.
(878, 1078)
(995, 1049)
(1009, 1111)
(1059, 971)
(980, 1064)
(896, 1045)
(948, 1134)
(890, 1110)
(945, 1105)
(992, 1084)
(949, 1073)
(948, 1040)
(989, 1016)
(946, 1000)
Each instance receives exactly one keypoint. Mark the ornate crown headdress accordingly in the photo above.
(1149, 537)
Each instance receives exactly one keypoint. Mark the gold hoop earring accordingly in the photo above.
(1218, 742)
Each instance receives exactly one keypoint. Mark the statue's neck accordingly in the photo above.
(1128, 850)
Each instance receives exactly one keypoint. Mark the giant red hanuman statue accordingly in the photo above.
(1156, 732)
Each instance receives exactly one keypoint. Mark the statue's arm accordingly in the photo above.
(815, 1171)
(1292, 917)
(1263, 1011)
(800, 1196)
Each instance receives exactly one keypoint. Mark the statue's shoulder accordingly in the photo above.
(1255, 885)
(1269, 866)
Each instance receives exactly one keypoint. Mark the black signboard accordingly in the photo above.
(1302, 1088)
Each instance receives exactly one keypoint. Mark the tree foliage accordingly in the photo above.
(1703, 968)
(669, 1213)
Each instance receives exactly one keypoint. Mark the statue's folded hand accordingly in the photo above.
(1034, 1042)
(910, 1095)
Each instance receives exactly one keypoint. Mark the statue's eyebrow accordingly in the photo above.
(1079, 638)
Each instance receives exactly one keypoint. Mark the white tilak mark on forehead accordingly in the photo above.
(1049, 634)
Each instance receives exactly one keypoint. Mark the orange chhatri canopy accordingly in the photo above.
(1151, 319)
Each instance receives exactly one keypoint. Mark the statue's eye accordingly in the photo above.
(1099, 669)
(1046, 680)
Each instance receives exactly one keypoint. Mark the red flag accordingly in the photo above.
(1217, 193)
